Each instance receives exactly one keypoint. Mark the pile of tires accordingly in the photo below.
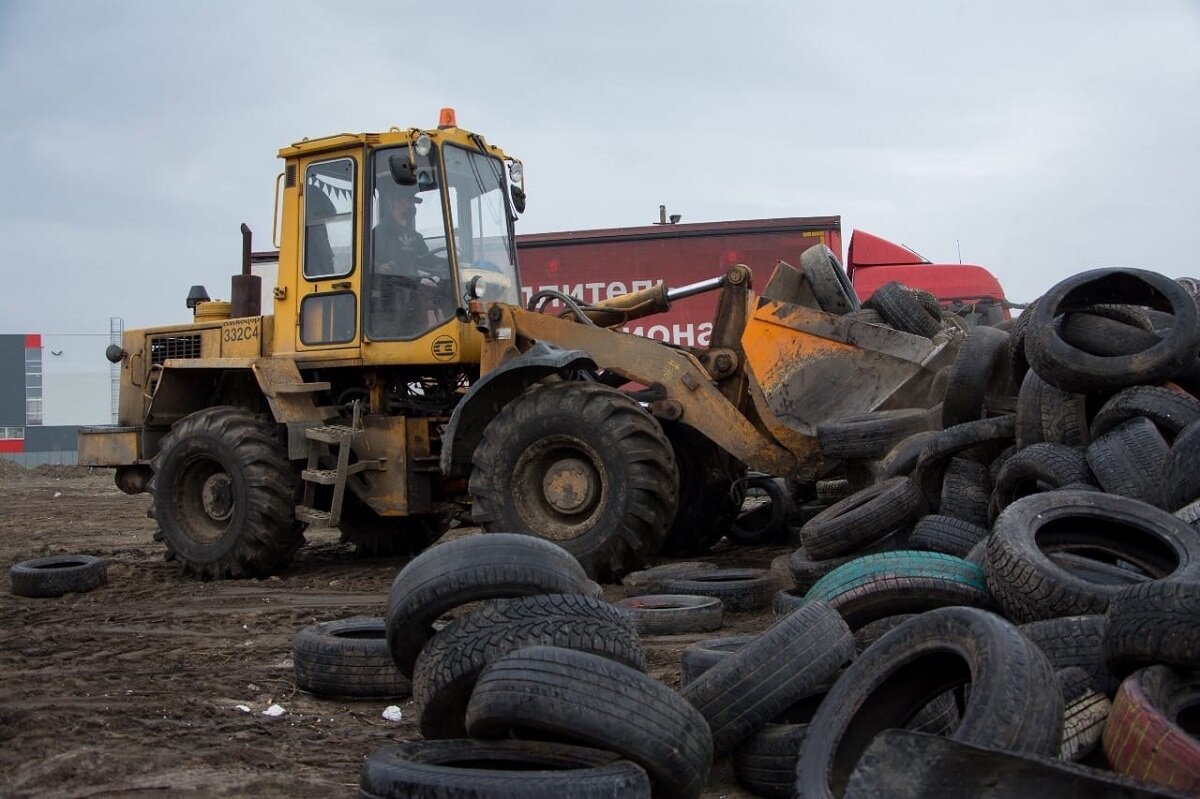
(1043, 503)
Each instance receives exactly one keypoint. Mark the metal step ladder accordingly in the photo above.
(337, 438)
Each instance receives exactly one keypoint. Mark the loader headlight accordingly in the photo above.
(516, 172)
(423, 145)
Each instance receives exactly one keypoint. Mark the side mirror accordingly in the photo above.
(402, 171)
(518, 198)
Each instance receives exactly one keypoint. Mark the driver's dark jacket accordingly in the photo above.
(403, 247)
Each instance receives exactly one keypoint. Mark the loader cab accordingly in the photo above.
(393, 234)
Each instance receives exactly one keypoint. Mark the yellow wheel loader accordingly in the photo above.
(398, 382)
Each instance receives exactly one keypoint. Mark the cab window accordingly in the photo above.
(329, 204)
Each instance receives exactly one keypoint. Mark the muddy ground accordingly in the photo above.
(132, 689)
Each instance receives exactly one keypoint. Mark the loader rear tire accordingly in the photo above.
(224, 495)
(582, 465)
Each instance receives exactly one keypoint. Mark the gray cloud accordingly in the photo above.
(1040, 139)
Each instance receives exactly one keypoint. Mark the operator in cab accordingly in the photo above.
(421, 294)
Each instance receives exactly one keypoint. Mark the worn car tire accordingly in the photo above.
(870, 435)
(889, 583)
(1075, 370)
(1074, 641)
(1029, 586)
(56, 575)
(1014, 702)
(739, 590)
(617, 466)
(966, 487)
(1129, 459)
(1155, 622)
(901, 309)
(1171, 411)
(946, 534)
(650, 581)
(862, 518)
(469, 769)
(765, 521)
(1181, 477)
(347, 657)
(1144, 738)
(741, 693)
(673, 614)
(697, 658)
(830, 286)
(450, 663)
(584, 698)
(470, 569)
(766, 761)
(1039, 467)
(982, 354)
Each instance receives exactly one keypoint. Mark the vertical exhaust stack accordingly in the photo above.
(246, 292)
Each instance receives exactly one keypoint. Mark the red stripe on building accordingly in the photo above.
(12, 445)
(33, 341)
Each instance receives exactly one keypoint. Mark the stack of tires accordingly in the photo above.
(1043, 512)
(537, 687)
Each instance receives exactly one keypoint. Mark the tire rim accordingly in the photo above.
(560, 487)
(206, 499)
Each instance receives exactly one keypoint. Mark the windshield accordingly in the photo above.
(409, 290)
(481, 224)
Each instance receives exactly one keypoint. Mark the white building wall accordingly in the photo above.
(76, 382)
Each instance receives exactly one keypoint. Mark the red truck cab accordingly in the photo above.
(967, 289)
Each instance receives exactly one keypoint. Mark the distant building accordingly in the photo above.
(50, 385)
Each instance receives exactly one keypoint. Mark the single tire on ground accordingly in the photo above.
(650, 581)
(469, 569)
(461, 769)
(584, 698)
(673, 614)
(739, 590)
(224, 493)
(450, 663)
(1014, 702)
(582, 465)
(347, 657)
(56, 575)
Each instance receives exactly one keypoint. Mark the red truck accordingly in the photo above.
(593, 265)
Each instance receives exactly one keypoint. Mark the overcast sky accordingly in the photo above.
(1040, 138)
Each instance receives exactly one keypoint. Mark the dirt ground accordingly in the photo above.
(132, 689)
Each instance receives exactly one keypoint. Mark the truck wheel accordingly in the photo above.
(382, 536)
(582, 465)
(224, 495)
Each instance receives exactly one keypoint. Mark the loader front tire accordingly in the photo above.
(224, 495)
(581, 465)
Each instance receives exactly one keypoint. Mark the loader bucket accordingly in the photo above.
(814, 367)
